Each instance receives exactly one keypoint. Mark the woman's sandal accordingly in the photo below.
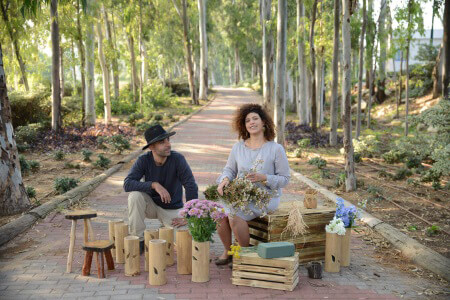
(223, 261)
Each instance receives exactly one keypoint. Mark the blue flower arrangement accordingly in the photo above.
(348, 214)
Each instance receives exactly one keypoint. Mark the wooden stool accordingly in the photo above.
(75, 215)
(100, 246)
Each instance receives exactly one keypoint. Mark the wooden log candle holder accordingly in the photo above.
(132, 255)
(112, 236)
(120, 232)
(157, 262)
(166, 233)
(200, 261)
(184, 252)
(332, 252)
(149, 234)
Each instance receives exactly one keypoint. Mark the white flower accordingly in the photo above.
(336, 226)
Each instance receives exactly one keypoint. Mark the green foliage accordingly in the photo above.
(102, 162)
(119, 143)
(298, 152)
(30, 107)
(34, 165)
(413, 162)
(304, 143)
(357, 157)
(155, 96)
(367, 146)
(201, 229)
(86, 154)
(158, 117)
(69, 165)
(133, 118)
(142, 127)
(340, 179)
(64, 184)
(101, 140)
(24, 164)
(325, 174)
(412, 182)
(394, 156)
(211, 193)
(412, 228)
(59, 155)
(426, 53)
(433, 230)
(31, 192)
(401, 174)
(318, 162)
(375, 192)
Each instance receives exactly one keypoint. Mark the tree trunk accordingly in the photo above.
(237, 78)
(14, 39)
(280, 99)
(90, 80)
(437, 73)
(74, 73)
(141, 54)
(105, 79)
(203, 91)
(360, 74)
(400, 84)
(134, 78)
(350, 180)
(381, 95)
(313, 68)
(230, 72)
(83, 65)
(115, 67)
(61, 71)
(56, 91)
(335, 82)
(302, 87)
(446, 42)
(13, 198)
(407, 72)
(267, 54)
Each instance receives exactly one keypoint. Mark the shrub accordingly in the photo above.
(304, 143)
(59, 155)
(394, 156)
(30, 107)
(101, 140)
(86, 154)
(31, 192)
(433, 230)
(401, 174)
(298, 152)
(102, 161)
(24, 165)
(357, 157)
(413, 162)
(142, 127)
(26, 134)
(367, 146)
(34, 165)
(155, 96)
(119, 143)
(64, 184)
(375, 192)
(340, 179)
(325, 174)
(133, 118)
(318, 162)
(69, 165)
(158, 117)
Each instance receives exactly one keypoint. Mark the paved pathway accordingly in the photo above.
(33, 265)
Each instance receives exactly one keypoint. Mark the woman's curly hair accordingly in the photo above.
(239, 121)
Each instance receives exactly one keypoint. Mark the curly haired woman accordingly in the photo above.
(256, 133)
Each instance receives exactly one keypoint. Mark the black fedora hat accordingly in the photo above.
(155, 134)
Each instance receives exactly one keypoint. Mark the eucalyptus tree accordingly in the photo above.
(90, 80)
(203, 90)
(280, 98)
(446, 42)
(313, 67)
(105, 75)
(382, 41)
(360, 74)
(302, 86)
(267, 52)
(335, 80)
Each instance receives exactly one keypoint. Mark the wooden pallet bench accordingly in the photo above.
(310, 246)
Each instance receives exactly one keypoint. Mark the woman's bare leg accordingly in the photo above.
(240, 229)
(224, 231)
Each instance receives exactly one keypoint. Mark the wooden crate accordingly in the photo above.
(310, 246)
(276, 273)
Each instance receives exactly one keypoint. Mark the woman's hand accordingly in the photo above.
(256, 177)
(223, 184)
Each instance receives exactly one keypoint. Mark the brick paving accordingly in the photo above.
(32, 266)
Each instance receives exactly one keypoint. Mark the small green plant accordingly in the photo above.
(401, 174)
(101, 141)
(64, 184)
(298, 152)
(413, 163)
(340, 179)
(412, 228)
(86, 154)
(34, 165)
(412, 182)
(69, 165)
(394, 156)
(158, 117)
(318, 162)
(119, 143)
(142, 127)
(325, 174)
(375, 192)
(211, 193)
(58, 155)
(102, 161)
(357, 157)
(433, 230)
(31, 192)
(436, 185)
(133, 118)
(384, 174)
(304, 143)
(24, 164)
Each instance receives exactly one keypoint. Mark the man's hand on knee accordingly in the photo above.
(178, 222)
(165, 196)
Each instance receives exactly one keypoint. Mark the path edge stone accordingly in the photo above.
(410, 248)
(17, 226)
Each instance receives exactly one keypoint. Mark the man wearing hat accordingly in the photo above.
(165, 173)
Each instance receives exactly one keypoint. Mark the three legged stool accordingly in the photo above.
(99, 247)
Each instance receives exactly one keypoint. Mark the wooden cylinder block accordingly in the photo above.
(120, 232)
(200, 261)
(132, 264)
(111, 224)
(332, 252)
(157, 262)
(345, 248)
(184, 252)
(166, 233)
(149, 234)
